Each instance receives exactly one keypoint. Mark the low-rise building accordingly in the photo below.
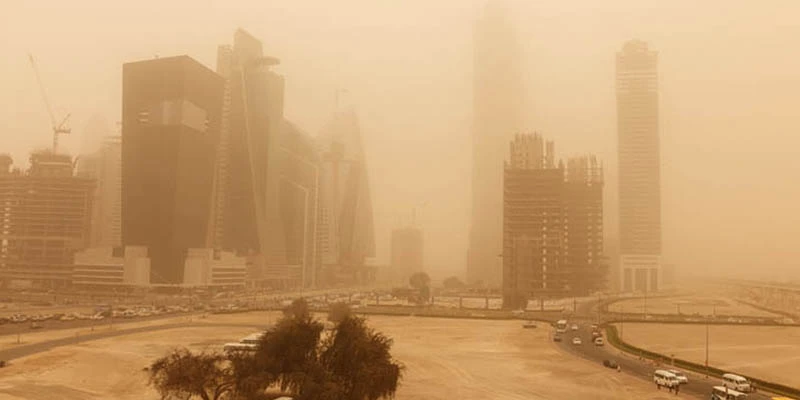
(111, 266)
(210, 267)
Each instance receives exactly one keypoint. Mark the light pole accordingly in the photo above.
(706, 347)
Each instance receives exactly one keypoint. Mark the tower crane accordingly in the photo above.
(58, 128)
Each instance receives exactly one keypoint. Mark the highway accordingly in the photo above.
(698, 387)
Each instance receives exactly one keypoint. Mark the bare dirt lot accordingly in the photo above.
(771, 353)
(444, 359)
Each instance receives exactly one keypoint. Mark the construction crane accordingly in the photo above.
(58, 128)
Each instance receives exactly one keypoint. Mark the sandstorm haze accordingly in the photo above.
(729, 84)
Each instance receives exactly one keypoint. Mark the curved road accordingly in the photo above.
(698, 387)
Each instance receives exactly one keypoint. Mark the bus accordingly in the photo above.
(723, 393)
(247, 343)
(561, 326)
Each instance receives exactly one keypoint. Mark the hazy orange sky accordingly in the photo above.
(730, 91)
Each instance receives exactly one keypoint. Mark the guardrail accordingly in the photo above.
(613, 338)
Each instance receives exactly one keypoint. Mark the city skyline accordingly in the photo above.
(570, 56)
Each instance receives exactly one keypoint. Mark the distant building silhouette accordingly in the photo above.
(46, 217)
(171, 116)
(639, 167)
(553, 224)
(105, 166)
(497, 114)
(407, 254)
(346, 219)
(267, 173)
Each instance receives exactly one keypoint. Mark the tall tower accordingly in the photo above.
(639, 167)
(496, 110)
(171, 114)
(105, 167)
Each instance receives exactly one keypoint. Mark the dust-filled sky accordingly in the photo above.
(730, 99)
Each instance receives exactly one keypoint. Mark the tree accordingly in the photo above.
(339, 312)
(293, 357)
(419, 280)
(359, 361)
(186, 375)
(453, 283)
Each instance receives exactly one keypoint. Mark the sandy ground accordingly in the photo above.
(444, 359)
(688, 305)
(28, 336)
(773, 353)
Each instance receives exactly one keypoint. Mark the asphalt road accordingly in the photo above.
(698, 387)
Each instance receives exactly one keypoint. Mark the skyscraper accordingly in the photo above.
(105, 167)
(346, 221)
(171, 114)
(407, 254)
(639, 167)
(267, 175)
(497, 115)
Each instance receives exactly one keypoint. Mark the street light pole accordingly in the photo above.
(706, 347)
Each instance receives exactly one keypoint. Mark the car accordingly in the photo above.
(529, 325)
(594, 327)
(574, 327)
(610, 364)
(36, 325)
(577, 341)
(599, 341)
(556, 338)
(682, 378)
(596, 334)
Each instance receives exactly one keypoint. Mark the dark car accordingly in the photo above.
(556, 338)
(610, 364)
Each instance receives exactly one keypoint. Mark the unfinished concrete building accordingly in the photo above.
(552, 223)
(45, 218)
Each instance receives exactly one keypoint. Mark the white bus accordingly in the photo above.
(736, 382)
(561, 326)
(665, 379)
(247, 343)
(723, 393)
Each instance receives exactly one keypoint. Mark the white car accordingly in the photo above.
(574, 327)
(599, 341)
(577, 341)
(682, 378)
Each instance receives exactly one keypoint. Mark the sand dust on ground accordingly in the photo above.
(767, 352)
(689, 305)
(443, 358)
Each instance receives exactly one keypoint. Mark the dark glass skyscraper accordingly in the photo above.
(171, 114)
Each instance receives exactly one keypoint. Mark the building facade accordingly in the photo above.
(209, 267)
(267, 174)
(45, 215)
(105, 167)
(497, 113)
(552, 224)
(114, 267)
(171, 116)
(407, 254)
(639, 167)
(347, 235)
